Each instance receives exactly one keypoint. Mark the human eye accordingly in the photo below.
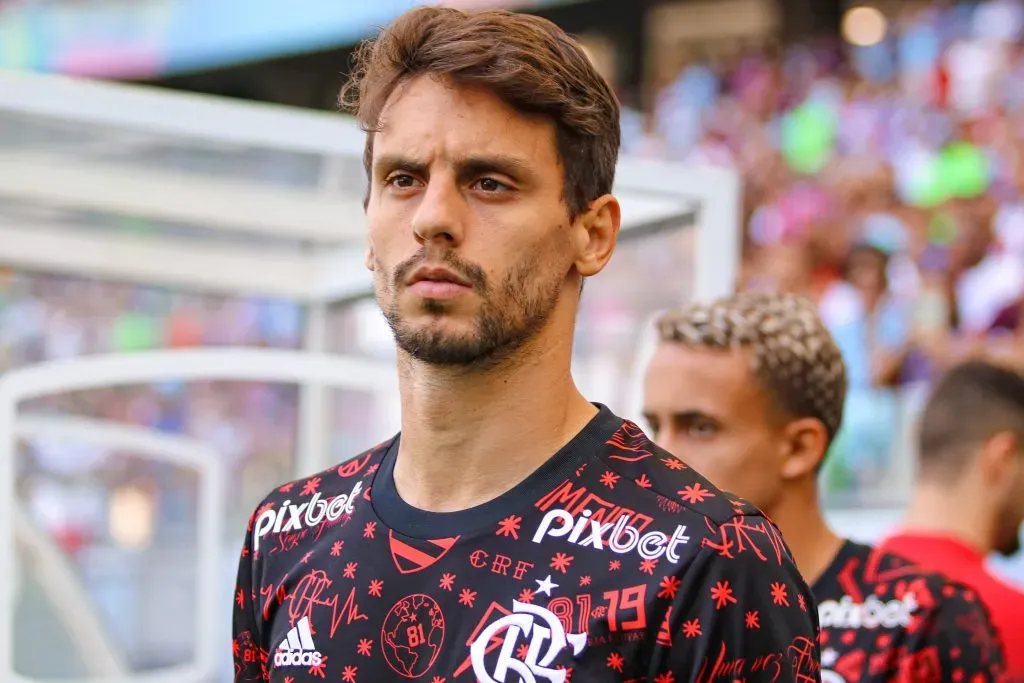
(400, 181)
(490, 185)
(702, 428)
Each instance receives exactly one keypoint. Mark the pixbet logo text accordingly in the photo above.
(872, 613)
(619, 537)
(293, 517)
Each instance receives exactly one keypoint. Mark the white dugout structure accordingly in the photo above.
(249, 201)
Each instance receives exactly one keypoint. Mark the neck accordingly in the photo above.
(814, 545)
(930, 513)
(469, 435)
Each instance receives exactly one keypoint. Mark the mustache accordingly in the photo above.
(473, 273)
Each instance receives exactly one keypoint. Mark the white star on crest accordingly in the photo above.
(546, 585)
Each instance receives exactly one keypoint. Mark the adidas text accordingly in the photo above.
(619, 537)
(298, 649)
(872, 613)
(293, 517)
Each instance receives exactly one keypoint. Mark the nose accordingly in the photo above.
(440, 214)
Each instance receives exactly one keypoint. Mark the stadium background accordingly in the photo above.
(893, 125)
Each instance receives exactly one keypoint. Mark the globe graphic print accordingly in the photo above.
(412, 635)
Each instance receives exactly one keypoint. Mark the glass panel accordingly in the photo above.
(123, 524)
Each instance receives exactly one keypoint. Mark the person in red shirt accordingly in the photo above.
(969, 498)
(750, 389)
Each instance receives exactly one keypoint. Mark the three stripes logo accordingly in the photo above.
(298, 648)
(413, 554)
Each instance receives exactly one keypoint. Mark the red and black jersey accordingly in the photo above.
(884, 619)
(612, 562)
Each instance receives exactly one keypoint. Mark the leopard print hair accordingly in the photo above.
(794, 355)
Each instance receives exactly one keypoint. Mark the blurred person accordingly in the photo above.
(968, 500)
(871, 327)
(750, 389)
(513, 531)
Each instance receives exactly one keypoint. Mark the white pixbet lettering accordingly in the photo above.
(870, 614)
(293, 517)
(619, 537)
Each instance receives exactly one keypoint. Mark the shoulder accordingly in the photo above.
(654, 471)
(324, 496)
(929, 593)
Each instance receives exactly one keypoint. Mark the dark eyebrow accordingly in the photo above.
(501, 164)
(386, 163)
(467, 169)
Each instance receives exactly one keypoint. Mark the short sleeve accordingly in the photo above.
(744, 612)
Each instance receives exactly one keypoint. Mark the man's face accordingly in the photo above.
(706, 408)
(469, 234)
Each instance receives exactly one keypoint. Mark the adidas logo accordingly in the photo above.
(298, 648)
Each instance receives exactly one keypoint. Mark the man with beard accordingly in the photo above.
(968, 501)
(513, 531)
(750, 390)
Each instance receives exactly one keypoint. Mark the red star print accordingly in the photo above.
(336, 548)
(643, 482)
(287, 487)
(609, 479)
(318, 670)
(779, 595)
(375, 588)
(695, 493)
(466, 597)
(614, 566)
(753, 619)
(522, 650)
(673, 463)
(350, 570)
(349, 674)
(240, 599)
(615, 661)
(667, 677)
(560, 562)
(584, 580)
(803, 602)
(526, 595)
(365, 647)
(509, 527)
(438, 679)
(669, 585)
(722, 594)
(691, 629)
(369, 530)
(447, 580)
(647, 566)
(305, 558)
(311, 486)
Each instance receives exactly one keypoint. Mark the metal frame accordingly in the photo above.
(82, 623)
(264, 365)
(326, 221)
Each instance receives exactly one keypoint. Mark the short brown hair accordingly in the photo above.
(527, 61)
(795, 357)
(970, 404)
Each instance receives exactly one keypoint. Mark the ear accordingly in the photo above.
(371, 259)
(595, 233)
(999, 461)
(806, 442)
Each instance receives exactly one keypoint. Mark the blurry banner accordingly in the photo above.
(148, 38)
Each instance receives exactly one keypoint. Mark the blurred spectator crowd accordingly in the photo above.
(886, 181)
